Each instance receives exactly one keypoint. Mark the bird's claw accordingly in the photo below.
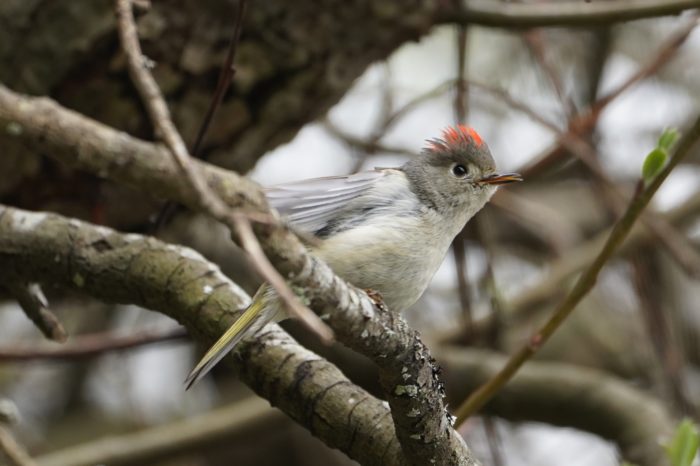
(376, 298)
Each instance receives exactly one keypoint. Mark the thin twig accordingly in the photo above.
(226, 75)
(495, 329)
(494, 440)
(586, 120)
(667, 51)
(157, 109)
(675, 243)
(363, 144)
(656, 316)
(522, 306)
(207, 199)
(533, 40)
(88, 346)
(383, 123)
(583, 285)
(269, 273)
(34, 304)
(372, 144)
(459, 245)
(14, 451)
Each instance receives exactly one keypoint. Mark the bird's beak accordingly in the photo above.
(501, 178)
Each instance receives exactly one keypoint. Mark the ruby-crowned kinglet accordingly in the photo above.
(386, 230)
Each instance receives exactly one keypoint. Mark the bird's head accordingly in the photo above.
(456, 171)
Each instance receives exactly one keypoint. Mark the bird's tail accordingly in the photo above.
(251, 319)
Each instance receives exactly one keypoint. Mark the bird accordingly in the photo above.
(386, 230)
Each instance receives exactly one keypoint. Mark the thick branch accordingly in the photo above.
(570, 14)
(148, 446)
(180, 283)
(566, 395)
(408, 371)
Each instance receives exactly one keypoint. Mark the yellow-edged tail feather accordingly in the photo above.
(228, 340)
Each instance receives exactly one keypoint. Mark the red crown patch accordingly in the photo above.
(461, 133)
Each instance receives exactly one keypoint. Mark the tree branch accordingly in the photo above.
(87, 346)
(569, 14)
(149, 446)
(35, 305)
(566, 395)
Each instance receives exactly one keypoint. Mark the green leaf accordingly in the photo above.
(684, 444)
(668, 138)
(654, 163)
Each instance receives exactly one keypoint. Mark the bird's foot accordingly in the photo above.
(376, 298)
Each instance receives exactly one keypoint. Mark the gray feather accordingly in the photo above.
(312, 205)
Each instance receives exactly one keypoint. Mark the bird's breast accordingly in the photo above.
(394, 255)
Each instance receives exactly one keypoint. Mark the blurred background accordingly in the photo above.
(332, 89)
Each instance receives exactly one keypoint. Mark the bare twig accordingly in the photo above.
(583, 285)
(654, 311)
(586, 120)
(33, 302)
(459, 246)
(87, 346)
(157, 109)
(667, 51)
(494, 441)
(226, 75)
(572, 14)
(228, 72)
(207, 199)
(580, 257)
(676, 244)
(363, 144)
(269, 273)
(533, 40)
(371, 145)
(14, 451)
(460, 99)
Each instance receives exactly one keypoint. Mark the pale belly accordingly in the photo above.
(397, 259)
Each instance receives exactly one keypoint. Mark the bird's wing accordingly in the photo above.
(310, 205)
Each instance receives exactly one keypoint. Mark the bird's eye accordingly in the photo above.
(460, 171)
